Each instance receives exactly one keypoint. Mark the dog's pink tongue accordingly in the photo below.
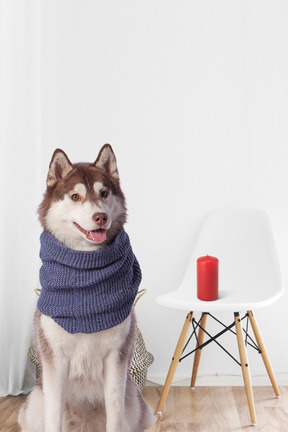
(97, 236)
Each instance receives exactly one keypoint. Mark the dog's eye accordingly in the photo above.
(104, 194)
(75, 197)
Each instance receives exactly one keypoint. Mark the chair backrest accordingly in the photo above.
(243, 242)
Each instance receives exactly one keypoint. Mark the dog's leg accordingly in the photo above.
(115, 374)
(138, 415)
(31, 413)
(54, 374)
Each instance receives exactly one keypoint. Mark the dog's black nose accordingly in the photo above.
(100, 218)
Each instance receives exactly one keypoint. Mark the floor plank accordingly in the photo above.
(204, 409)
(9, 407)
(218, 409)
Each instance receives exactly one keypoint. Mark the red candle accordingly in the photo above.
(207, 278)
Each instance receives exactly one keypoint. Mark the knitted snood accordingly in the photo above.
(86, 292)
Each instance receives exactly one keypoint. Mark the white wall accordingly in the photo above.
(193, 96)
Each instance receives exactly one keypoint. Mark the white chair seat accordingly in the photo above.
(249, 272)
(227, 301)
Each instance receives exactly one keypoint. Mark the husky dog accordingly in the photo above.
(85, 383)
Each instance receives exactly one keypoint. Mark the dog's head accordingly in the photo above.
(84, 206)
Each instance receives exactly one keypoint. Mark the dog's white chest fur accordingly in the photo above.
(86, 355)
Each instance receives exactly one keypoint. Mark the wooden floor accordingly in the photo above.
(9, 407)
(205, 409)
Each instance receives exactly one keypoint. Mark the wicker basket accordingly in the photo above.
(141, 361)
(32, 356)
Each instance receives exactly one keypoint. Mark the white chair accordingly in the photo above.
(249, 278)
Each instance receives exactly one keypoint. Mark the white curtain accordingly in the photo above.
(20, 191)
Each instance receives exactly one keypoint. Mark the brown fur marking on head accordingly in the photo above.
(59, 167)
(106, 161)
(62, 177)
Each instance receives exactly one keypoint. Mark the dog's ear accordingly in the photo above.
(59, 167)
(106, 161)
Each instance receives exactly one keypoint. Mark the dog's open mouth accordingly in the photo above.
(97, 236)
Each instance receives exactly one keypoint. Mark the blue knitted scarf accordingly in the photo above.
(86, 292)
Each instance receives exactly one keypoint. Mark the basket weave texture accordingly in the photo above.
(32, 356)
(141, 361)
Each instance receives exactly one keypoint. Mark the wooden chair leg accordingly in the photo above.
(197, 355)
(264, 353)
(175, 361)
(245, 368)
